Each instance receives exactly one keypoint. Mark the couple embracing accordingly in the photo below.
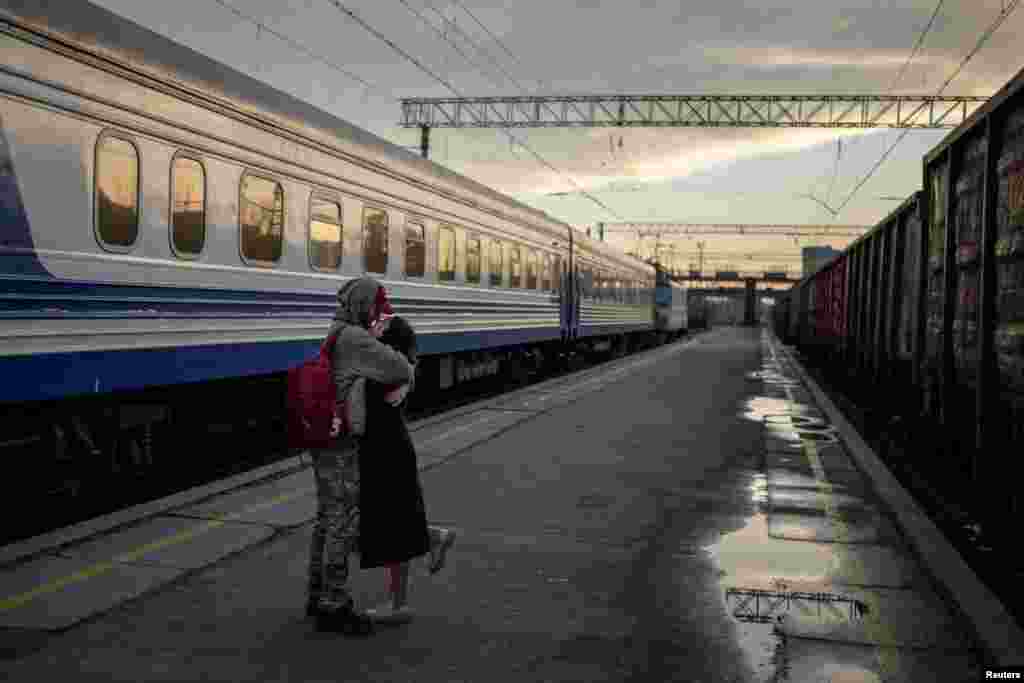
(369, 498)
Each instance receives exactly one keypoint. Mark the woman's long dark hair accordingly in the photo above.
(400, 336)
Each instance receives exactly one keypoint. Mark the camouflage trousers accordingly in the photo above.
(336, 532)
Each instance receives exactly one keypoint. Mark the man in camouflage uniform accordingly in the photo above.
(357, 353)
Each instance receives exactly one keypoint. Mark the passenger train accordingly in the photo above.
(171, 227)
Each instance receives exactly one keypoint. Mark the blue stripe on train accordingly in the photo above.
(60, 375)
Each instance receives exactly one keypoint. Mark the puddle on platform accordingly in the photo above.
(798, 421)
(855, 527)
(750, 558)
(813, 660)
(757, 408)
(798, 499)
(751, 562)
(821, 435)
(796, 473)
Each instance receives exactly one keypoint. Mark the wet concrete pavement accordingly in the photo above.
(694, 519)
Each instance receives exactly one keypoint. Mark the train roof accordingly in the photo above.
(114, 38)
(907, 204)
(994, 103)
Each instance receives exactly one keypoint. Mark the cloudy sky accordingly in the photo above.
(594, 47)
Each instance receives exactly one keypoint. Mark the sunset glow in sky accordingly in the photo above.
(590, 47)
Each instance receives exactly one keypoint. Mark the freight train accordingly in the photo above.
(926, 311)
(174, 233)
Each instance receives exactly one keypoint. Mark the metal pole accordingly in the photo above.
(425, 141)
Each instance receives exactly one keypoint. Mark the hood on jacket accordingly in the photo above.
(356, 299)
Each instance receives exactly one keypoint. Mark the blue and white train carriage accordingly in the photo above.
(169, 224)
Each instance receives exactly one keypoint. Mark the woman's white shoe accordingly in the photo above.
(388, 613)
(438, 553)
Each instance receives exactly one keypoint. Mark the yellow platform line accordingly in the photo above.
(100, 568)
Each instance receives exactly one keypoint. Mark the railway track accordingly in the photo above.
(119, 459)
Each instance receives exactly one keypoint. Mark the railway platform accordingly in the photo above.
(690, 513)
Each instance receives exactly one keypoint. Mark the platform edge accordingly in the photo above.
(36, 545)
(993, 625)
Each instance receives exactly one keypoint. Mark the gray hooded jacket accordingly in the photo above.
(357, 354)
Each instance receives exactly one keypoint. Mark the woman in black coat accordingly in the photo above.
(393, 520)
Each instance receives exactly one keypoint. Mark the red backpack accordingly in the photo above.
(311, 400)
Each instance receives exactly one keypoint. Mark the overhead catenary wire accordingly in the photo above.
(444, 37)
(917, 45)
(1003, 14)
(377, 34)
(906, 64)
(495, 38)
(479, 48)
(294, 44)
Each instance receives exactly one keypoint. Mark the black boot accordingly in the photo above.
(346, 621)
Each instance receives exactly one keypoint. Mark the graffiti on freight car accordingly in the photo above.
(1015, 193)
(936, 228)
(969, 205)
(830, 299)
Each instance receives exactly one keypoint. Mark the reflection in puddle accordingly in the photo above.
(759, 489)
(799, 421)
(759, 407)
(796, 434)
(750, 558)
(822, 499)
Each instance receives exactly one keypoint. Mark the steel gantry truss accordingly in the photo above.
(773, 111)
(659, 231)
(651, 229)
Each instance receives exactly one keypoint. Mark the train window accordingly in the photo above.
(472, 259)
(545, 273)
(531, 269)
(324, 233)
(496, 264)
(445, 253)
(515, 266)
(261, 214)
(375, 240)
(415, 250)
(117, 192)
(188, 207)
